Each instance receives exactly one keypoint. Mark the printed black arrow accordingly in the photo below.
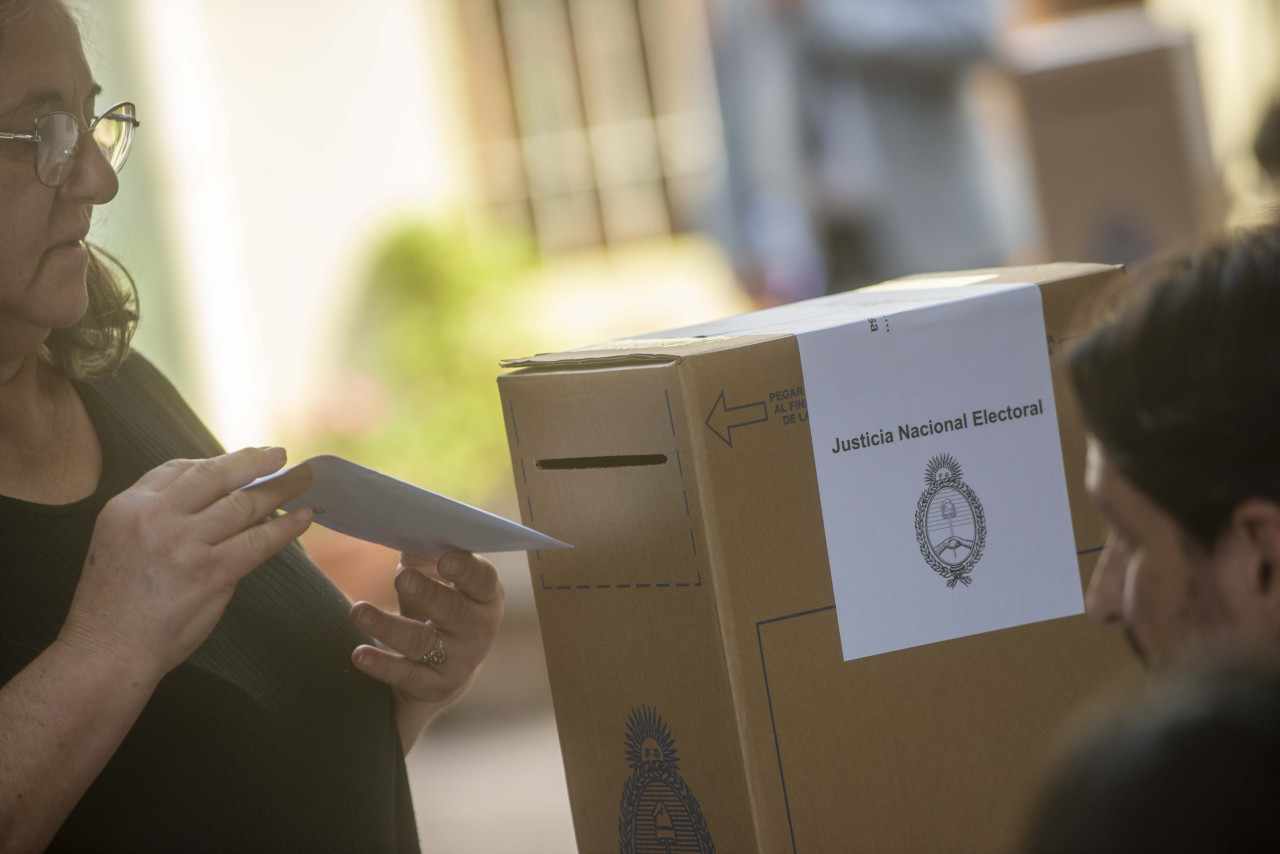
(723, 419)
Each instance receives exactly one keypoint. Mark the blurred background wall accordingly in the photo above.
(341, 215)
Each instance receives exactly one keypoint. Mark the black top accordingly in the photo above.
(266, 738)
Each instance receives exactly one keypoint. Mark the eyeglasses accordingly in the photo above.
(57, 140)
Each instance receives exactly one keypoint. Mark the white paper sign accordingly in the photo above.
(369, 505)
(940, 470)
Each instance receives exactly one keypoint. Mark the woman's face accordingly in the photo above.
(43, 258)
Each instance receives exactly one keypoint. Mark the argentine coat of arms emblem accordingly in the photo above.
(950, 526)
(659, 813)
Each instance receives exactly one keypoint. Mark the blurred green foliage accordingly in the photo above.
(436, 315)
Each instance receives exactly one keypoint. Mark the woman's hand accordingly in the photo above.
(167, 553)
(449, 615)
(163, 561)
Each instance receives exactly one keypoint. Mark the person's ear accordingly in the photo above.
(1257, 521)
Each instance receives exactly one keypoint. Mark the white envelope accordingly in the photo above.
(369, 505)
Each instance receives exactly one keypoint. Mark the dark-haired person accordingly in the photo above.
(1193, 769)
(175, 675)
(1181, 401)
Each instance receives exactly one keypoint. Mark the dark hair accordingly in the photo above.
(1182, 388)
(1196, 768)
(98, 343)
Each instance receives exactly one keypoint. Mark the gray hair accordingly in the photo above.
(11, 11)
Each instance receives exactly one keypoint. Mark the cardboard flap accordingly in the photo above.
(635, 351)
(675, 347)
(1039, 274)
(1081, 39)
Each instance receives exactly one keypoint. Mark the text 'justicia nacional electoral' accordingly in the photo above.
(934, 427)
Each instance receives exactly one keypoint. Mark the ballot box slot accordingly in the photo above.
(616, 461)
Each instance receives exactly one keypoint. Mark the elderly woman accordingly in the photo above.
(177, 676)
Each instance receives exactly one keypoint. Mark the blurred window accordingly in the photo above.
(596, 121)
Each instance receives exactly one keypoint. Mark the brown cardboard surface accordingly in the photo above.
(699, 592)
(1118, 135)
(632, 351)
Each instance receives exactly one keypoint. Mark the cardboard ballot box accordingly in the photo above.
(825, 593)
(1118, 135)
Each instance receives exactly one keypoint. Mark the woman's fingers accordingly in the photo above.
(420, 663)
(164, 474)
(209, 480)
(411, 638)
(237, 510)
(472, 575)
(424, 598)
(469, 573)
(449, 615)
(411, 679)
(461, 593)
(247, 549)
